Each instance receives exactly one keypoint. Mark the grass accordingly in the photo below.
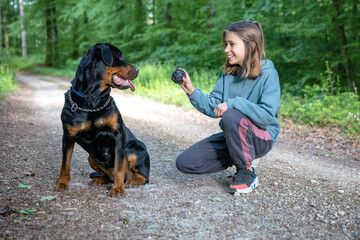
(7, 81)
(154, 82)
(321, 105)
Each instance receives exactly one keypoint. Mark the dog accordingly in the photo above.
(91, 119)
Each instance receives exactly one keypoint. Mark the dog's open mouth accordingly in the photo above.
(122, 83)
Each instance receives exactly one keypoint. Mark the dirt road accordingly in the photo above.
(302, 194)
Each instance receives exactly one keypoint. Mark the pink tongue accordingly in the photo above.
(131, 85)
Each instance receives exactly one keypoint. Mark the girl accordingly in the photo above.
(247, 98)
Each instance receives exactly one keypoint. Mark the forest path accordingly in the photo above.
(301, 194)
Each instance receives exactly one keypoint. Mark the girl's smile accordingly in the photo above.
(234, 49)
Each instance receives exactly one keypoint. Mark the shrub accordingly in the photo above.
(7, 80)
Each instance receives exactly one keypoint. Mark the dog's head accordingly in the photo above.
(104, 66)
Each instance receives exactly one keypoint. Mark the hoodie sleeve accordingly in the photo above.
(206, 103)
(266, 109)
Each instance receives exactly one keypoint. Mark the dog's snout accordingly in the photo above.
(136, 69)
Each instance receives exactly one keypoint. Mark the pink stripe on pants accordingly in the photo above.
(263, 134)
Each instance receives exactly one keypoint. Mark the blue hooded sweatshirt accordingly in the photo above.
(258, 99)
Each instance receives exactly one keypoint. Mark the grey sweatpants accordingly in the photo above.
(239, 144)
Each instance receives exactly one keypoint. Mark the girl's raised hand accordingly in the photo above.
(187, 85)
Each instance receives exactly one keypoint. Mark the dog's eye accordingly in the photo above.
(122, 59)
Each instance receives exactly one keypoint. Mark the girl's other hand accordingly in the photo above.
(187, 85)
(220, 109)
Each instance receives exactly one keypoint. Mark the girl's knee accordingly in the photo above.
(181, 164)
(232, 116)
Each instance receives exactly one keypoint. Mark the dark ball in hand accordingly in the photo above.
(177, 76)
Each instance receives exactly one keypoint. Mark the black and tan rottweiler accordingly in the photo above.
(91, 119)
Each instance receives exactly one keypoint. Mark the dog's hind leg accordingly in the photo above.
(133, 178)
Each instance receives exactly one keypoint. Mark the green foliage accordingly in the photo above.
(340, 111)
(324, 105)
(7, 80)
(34, 64)
(300, 36)
(154, 82)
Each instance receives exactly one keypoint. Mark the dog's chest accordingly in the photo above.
(111, 122)
(91, 126)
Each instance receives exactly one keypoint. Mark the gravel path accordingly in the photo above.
(302, 195)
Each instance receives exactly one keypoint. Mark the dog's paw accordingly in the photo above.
(61, 186)
(117, 191)
(99, 180)
(134, 182)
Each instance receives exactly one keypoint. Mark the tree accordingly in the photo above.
(23, 32)
(0, 32)
(6, 35)
(52, 52)
(337, 19)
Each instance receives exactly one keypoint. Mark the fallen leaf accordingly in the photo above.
(47, 198)
(28, 211)
(216, 199)
(24, 186)
(168, 160)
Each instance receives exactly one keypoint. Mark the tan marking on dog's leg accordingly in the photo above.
(119, 176)
(64, 176)
(111, 121)
(83, 126)
(98, 180)
(132, 176)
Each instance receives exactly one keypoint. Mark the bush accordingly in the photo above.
(7, 81)
(324, 105)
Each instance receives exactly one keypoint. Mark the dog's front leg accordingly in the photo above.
(119, 175)
(64, 176)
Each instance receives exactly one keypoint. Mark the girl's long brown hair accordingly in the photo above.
(250, 32)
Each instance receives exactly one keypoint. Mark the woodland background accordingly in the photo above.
(314, 44)
(300, 35)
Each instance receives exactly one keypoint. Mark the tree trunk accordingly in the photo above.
(49, 49)
(153, 12)
(6, 35)
(167, 16)
(0, 33)
(349, 69)
(23, 32)
(55, 37)
(211, 15)
(75, 51)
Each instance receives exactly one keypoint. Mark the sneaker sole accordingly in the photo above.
(249, 189)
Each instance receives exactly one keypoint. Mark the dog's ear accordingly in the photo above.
(85, 61)
(116, 52)
(104, 53)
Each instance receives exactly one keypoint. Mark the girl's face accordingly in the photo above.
(234, 49)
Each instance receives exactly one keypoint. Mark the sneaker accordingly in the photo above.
(244, 182)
